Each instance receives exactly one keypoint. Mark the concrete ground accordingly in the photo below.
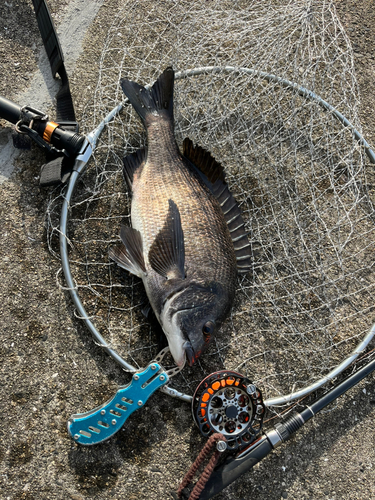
(50, 369)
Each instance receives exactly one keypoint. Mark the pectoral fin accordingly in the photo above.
(129, 253)
(167, 253)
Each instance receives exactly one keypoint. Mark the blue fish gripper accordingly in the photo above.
(101, 423)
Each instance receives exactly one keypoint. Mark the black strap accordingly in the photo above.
(64, 105)
(56, 171)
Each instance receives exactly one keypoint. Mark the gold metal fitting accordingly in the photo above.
(48, 131)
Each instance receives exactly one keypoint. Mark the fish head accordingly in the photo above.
(193, 318)
(198, 327)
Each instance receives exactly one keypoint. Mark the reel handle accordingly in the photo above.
(101, 423)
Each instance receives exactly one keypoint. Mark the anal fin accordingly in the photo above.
(132, 163)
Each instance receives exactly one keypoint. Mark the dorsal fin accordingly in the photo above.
(203, 161)
(236, 225)
(214, 178)
(131, 163)
(167, 253)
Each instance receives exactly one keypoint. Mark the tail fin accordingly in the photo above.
(158, 100)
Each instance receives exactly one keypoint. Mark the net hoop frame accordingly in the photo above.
(80, 166)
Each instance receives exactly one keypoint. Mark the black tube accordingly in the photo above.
(67, 140)
(60, 138)
(13, 112)
(10, 111)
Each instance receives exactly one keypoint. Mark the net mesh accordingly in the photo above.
(297, 173)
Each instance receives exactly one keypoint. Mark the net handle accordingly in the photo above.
(80, 165)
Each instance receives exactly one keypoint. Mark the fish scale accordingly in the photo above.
(207, 238)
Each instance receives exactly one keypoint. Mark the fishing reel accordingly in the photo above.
(229, 403)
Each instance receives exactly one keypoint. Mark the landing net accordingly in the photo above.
(302, 180)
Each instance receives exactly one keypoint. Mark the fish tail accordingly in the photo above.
(156, 101)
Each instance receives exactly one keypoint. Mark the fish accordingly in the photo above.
(187, 240)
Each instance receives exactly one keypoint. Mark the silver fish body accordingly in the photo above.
(180, 243)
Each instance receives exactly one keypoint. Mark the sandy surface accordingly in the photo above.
(51, 369)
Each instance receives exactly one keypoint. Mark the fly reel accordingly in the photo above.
(227, 402)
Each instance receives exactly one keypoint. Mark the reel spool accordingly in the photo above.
(229, 403)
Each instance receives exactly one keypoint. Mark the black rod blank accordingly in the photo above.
(10, 111)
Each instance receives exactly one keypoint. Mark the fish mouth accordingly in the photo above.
(190, 354)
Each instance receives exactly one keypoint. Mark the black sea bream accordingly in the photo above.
(187, 241)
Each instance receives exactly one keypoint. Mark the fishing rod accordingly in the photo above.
(235, 466)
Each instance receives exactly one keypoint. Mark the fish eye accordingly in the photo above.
(208, 329)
